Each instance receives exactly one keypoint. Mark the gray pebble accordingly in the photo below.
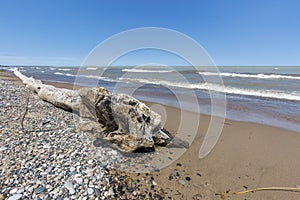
(3, 148)
(198, 196)
(90, 191)
(104, 164)
(39, 190)
(70, 187)
(182, 182)
(15, 197)
(97, 192)
(13, 191)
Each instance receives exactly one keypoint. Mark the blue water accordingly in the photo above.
(268, 95)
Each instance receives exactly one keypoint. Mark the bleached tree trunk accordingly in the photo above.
(63, 98)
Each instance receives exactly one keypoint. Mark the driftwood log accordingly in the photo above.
(128, 124)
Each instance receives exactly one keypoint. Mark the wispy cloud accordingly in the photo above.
(38, 60)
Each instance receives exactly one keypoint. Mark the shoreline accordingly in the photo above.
(7, 75)
(247, 155)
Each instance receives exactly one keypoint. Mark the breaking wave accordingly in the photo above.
(276, 94)
(257, 76)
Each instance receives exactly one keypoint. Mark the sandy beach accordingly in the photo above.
(247, 156)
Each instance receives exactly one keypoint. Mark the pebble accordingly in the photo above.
(21, 190)
(104, 164)
(97, 192)
(90, 191)
(182, 182)
(70, 187)
(72, 169)
(188, 178)
(78, 180)
(39, 190)
(3, 148)
(13, 191)
(198, 196)
(111, 192)
(15, 197)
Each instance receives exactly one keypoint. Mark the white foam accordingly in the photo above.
(91, 68)
(257, 76)
(86, 76)
(146, 71)
(64, 69)
(59, 73)
(276, 94)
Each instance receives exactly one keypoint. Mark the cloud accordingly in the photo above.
(38, 60)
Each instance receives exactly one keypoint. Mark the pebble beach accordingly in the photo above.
(48, 159)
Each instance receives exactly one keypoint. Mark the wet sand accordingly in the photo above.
(247, 155)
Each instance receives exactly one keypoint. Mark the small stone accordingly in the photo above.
(3, 148)
(90, 191)
(13, 191)
(15, 197)
(78, 180)
(72, 169)
(21, 190)
(111, 192)
(86, 181)
(156, 170)
(114, 152)
(179, 164)
(106, 194)
(104, 164)
(198, 196)
(97, 192)
(70, 187)
(182, 182)
(188, 178)
(39, 190)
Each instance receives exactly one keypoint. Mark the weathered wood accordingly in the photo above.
(60, 97)
(125, 122)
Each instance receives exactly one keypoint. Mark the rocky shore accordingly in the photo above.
(48, 159)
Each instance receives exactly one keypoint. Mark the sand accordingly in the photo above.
(247, 155)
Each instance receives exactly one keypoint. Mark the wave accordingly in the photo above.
(91, 68)
(63, 74)
(59, 73)
(275, 94)
(258, 76)
(146, 71)
(87, 76)
(64, 69)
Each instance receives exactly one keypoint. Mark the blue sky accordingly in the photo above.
(234, 32)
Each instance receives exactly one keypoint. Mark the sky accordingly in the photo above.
(233, 32)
